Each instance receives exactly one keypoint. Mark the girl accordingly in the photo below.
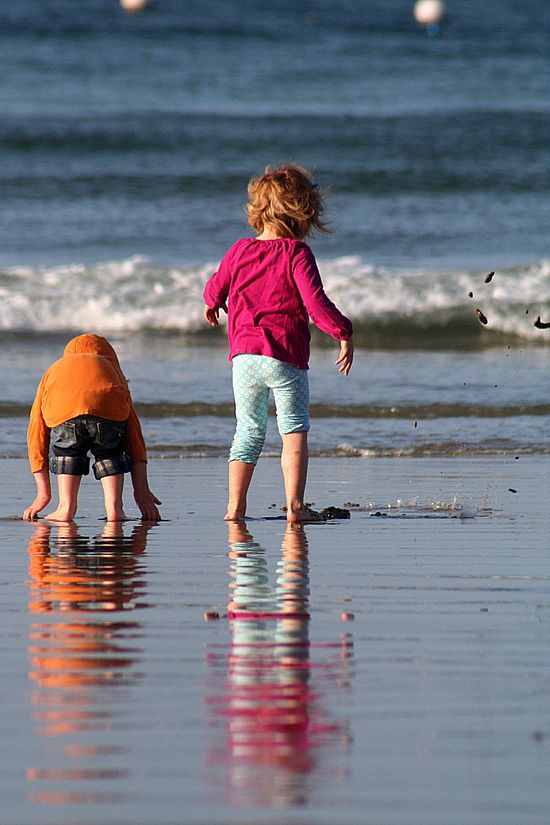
(270, 286)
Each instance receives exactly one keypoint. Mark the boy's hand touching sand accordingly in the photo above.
(346, 356)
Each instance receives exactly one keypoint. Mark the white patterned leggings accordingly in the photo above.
(253, 377)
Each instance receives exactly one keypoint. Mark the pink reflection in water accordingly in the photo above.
(272, 710)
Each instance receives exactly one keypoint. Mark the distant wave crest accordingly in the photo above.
(137, 295)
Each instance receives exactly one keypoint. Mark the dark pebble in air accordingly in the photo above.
(335, 512)
(481, 316)
(489, 277)
(470, 294)
(511, 489)
(541, 324)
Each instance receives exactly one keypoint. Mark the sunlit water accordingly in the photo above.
(387, 668)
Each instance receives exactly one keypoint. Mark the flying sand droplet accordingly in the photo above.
(481, 316)
(489, 277)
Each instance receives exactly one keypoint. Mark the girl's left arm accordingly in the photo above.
(320, 308)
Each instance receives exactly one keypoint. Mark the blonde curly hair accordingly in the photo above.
(286, 199)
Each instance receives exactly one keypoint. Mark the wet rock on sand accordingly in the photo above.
(330, 513)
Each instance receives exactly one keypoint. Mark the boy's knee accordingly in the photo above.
(118, 465)
(69, 465)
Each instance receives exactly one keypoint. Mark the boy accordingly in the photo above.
(83, 403)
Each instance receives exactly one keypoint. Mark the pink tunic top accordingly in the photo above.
(272, 288)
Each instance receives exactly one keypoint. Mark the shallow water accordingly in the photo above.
(431, 705)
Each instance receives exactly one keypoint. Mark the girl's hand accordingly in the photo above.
(212, 315)
(345, 359)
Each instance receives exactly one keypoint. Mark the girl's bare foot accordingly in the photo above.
(234, 515)
(301, 515)
(117, 515)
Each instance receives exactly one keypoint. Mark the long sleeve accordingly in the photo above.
(135, 443)
(217, 287)
(38, 434)
(320, 308)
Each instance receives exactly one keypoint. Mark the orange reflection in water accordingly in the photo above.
(79, 646)
(272, 709)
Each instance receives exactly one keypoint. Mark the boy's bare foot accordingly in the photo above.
(302, 515)
(60, 515)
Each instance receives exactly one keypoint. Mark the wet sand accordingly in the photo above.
(389, 668)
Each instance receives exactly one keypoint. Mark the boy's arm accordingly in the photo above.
(135, 445)
(38, 443)
(38, 434)
(144, 497)
(43, 494)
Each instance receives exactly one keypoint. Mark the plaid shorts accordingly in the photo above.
(71, 441)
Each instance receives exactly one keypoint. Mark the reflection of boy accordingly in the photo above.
(83, 404)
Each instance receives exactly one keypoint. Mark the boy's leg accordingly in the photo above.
(113, 486)
(69, 462)
(108, 440)
(68, 487)
(251, 400)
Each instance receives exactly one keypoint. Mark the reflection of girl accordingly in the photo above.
(269, 704)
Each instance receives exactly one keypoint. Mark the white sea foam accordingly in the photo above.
(136, 294)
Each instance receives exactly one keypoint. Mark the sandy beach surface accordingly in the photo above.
(388, 668)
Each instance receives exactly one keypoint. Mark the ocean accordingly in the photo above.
(126, 145)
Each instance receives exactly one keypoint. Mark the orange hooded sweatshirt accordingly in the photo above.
(88, 380)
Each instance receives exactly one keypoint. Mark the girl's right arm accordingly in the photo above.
(216, 290)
